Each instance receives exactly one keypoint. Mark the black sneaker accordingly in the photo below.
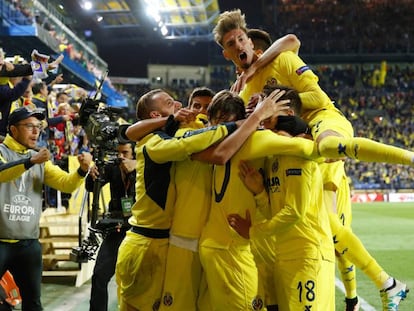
(351, 304)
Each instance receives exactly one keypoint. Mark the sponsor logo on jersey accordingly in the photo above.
(294, 172)
(273, 184)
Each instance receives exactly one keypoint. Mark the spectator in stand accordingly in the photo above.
(63, 132)
(8, 94)
(40, 99)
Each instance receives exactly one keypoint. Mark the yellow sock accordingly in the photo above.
(348, 276)
(348, 245)
(363, 149)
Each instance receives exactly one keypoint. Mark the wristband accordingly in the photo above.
(82, 173)
(28, 164)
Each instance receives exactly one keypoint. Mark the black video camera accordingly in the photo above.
(101, 126)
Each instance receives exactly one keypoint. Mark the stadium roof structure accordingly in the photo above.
(116, 22)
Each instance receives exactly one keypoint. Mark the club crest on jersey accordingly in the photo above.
(257, 303)
(271, 81)
(167, 300)
(275, 166)
(302, 69)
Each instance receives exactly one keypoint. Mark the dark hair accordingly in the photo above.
(295, 101)
(131, 143)
(260, 38)
(200, 91)
(60, 94)
(37, 87)
(225, 103)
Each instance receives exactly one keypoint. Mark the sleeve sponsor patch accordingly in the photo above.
(294, 172)
(302, 70)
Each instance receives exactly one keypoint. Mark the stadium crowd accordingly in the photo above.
(356, 28)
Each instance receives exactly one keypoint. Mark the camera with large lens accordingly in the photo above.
(104, 133)
(101, 125)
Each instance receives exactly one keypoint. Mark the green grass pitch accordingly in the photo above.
(387, 231)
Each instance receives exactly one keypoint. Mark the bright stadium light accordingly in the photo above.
(153, 13)
(87, 5)
(153, 10)
(164, 30)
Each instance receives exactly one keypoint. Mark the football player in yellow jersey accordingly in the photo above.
(326, 121)
(332, 132)
(348, 247)
(263, 248)
(304, 267)
(227, 259)
(183, 275)
(304, 264)
(142, 255)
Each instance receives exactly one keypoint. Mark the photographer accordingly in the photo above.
(121, 178)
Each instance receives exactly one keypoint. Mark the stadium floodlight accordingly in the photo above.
(153, 13)
(164, 30)
(152, 10)
(87, 5)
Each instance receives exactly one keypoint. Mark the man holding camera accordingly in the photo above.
(121, 178)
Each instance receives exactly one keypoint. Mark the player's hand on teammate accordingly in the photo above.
(185, 115)
(272, 105)
(251, 177)
(240, 225)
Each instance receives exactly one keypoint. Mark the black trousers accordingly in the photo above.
(104, 270)
(24, 261)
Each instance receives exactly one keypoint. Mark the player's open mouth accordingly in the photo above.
(243, 56)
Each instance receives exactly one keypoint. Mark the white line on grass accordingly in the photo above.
(363, 304)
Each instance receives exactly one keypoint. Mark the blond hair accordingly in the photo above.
(228, 21)
(64, 108)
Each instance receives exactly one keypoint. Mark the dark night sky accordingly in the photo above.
(132, 60)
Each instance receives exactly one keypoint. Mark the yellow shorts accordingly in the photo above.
(330, 119)
(182, 279)
(264, 255)
(140, 271)
(333, 173)
(305, 284)
(232, 279)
